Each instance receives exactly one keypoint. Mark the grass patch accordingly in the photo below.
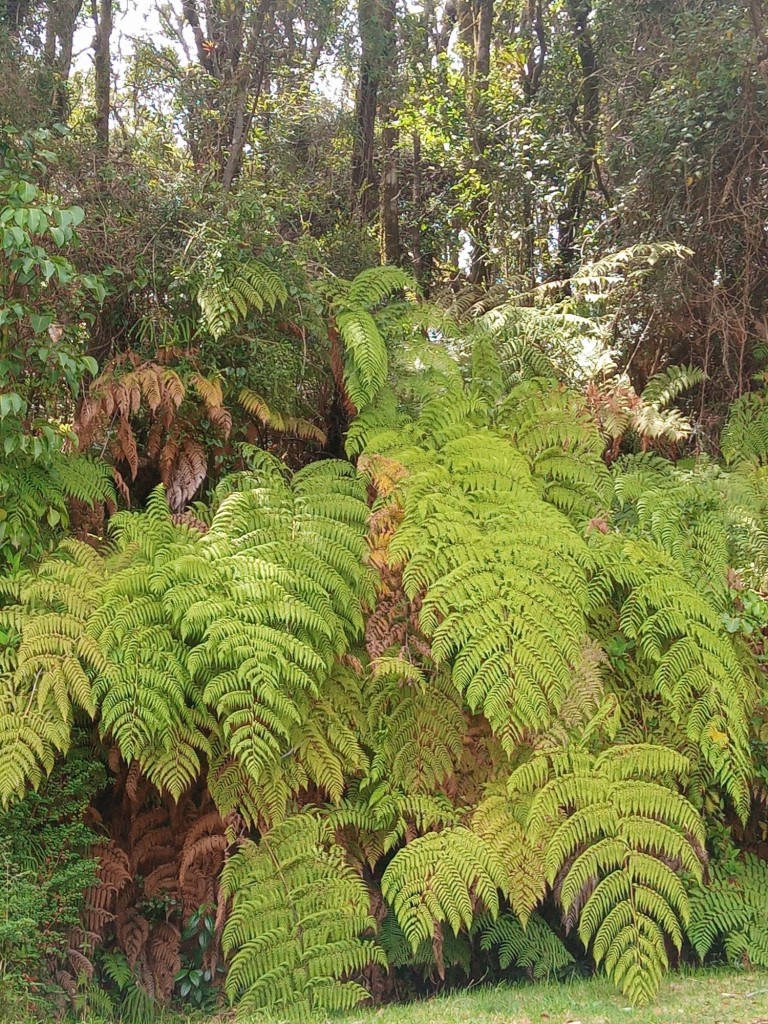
(689, 997)
(701, 997)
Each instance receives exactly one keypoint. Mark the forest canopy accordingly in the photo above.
(383, 494)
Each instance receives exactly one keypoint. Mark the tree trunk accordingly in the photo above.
(532, 24)
(416, 212)
(60, 24)
(389, 214)
(372, 27)
(475, 28)
(389, 217)
(570, 216)
(234, 53)
(102, 65)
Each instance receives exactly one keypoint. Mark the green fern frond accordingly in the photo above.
(35, 497)
(231, 292)
(435, 878)
(503, 575)
(686, 655)
(664, 387)
(611, 834)
(375, 284)
(501, 825)
(454, 951)
(366, 355)
(298, 911)
(745, 435)
(416, 726)
(533, 947)
(733, 905)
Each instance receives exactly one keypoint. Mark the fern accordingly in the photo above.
(175, 636)
(617, 838)
(298, 912)
(502, 827)
(35, 501)
(552, 426)
(45, 680)
(745, 435)
(534, 948)
(528, 615)
(435, 879)
(691, 663)
(374, 285)
(231, 291)
(255, 406)
(504, 576)
(417, 726)
(354, 312)
(292, 603)
(431, 958)
(664, 387)
(733, 906)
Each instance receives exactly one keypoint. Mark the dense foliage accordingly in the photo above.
(383, 454)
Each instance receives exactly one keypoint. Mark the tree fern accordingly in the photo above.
(325, 750)
(35, 501)
(432, 956)
(294, 934)
(501, 824)
(745, 435)
(436, 878)
(417, 726)
(664, 387)
(617, 838)
(692, 664)
(44, 677)
(295, 582)
(553, 427)
(354, 309)
(503, 575)
(256, 406)
(176, 635)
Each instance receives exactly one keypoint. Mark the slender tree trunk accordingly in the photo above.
(234, 53)
(364, 181)
(570, 216)
(389, 216)
(60, 24)
(532, 23)
(475, 28)
(102, 65)
(416, 212)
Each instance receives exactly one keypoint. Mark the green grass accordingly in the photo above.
(703, 997)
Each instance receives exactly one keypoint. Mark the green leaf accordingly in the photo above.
(10, 402)
(37, 222)
(40, 321)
